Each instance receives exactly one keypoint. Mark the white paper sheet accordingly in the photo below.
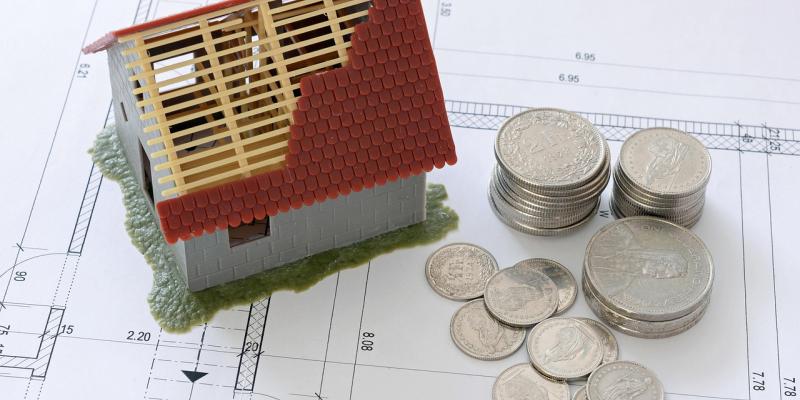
(74, 288)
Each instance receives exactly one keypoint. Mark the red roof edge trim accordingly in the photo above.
(101, 44)
(110, 38)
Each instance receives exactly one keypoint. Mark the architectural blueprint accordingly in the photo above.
(74, 321)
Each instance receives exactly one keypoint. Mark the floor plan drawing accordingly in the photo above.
(74, 318)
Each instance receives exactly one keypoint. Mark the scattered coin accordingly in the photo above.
(662, 172)
(522, 382)
(460, 271)
(479, 335)
(648, 269)
(561, 276)
(580, 394)
(610, 345)
(552, 166)
(564, 348)
(521, 296)
(624, 380)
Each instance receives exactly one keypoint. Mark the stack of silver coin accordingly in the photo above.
(661, 172)
(647, 277)
(552, 166)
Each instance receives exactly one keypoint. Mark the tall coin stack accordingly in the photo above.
(552, 166)
(661, 172)
(647, 277)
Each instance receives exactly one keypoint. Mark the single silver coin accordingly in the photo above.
(564, 348)
(537, 231)
(561, 276)
(544, 219)
(460, 271)
(522, 382)
(625, 185)
(610, 344)
(521, 296)
(479, 335)
(648, 269)
(580, 394)
(643, 329)
(665, 162)
(550, 148)
(620, 212)
(624, 380)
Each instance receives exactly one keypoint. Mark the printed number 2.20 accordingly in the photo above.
(138, 336)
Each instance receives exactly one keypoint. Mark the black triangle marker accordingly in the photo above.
(193, 376)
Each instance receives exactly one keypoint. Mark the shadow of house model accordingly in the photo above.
(267, 131)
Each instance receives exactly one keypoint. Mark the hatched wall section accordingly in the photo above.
(306, 231)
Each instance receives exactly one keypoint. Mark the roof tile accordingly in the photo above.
(378, 119)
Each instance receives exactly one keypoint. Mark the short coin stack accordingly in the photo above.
(647, 277)
(552, 166)
(661, 172)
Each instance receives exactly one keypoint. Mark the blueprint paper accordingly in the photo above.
(75, 324)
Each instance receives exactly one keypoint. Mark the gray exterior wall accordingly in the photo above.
(209, 260)
(131, 129)
(309, 230)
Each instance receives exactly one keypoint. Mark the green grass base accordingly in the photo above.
(177, 309)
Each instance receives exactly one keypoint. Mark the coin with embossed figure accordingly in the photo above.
(521, 296)
(665, 162)
(479, 335)
(460, 271)
(561, 276)
(522, 382)
(662, 172)
(648, 269)
(564, 348)
(624, 380)
(550, 148)
(610, 344)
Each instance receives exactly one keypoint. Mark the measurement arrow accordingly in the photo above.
(193, 376)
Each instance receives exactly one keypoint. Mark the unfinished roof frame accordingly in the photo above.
(221, 86)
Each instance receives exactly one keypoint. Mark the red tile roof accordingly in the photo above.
(111, 38)
(378, 119)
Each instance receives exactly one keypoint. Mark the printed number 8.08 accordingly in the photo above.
(367, 341)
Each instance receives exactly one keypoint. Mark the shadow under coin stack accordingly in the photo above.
(647, 277)
(552, 166)
(661, 172)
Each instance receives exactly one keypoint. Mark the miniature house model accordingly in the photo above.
(267, 131)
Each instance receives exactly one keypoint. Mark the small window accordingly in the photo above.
(147, 176)
(246, 233)
(124, 113)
